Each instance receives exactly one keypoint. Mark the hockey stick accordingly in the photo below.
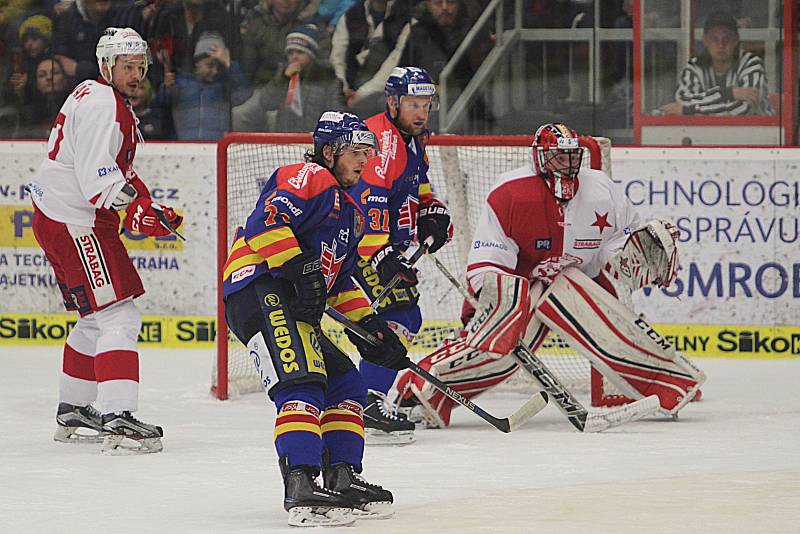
(506, 425)
(421, 251)
(581, 418)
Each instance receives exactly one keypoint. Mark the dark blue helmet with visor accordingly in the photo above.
(339, 130)
(411, 81)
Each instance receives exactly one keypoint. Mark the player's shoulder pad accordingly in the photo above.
(594, 180)
(94, 97)
(518, 186)
(392, 154)
(305, 180)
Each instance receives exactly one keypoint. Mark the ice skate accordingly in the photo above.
(310, 505)
(127, 435)
(383, 425)
(78, 424)
(370, 501)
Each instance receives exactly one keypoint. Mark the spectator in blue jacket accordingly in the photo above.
(201, 101)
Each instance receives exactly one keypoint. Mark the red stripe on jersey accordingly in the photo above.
(117, 365)
(276, 247)
(78, 365)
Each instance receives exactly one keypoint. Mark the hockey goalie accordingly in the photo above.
(553, 246)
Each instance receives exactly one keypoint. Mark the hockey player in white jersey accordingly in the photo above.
(567, 230)
(85, 181)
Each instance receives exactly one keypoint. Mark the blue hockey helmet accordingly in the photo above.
(411, 81)
(338, 130)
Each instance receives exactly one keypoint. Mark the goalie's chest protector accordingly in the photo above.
(545, 228)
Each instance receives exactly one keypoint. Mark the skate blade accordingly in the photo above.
(124, 446)
(71, 434)
(374, 510)
(373, 436)
(320, 516)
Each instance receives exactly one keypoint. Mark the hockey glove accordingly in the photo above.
(434, 221)
(391, 353)
(388, 262)
(141, 216)
(304, 271)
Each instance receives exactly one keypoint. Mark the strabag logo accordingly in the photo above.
(93, 262)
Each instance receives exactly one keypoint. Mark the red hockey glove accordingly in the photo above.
(142, 216)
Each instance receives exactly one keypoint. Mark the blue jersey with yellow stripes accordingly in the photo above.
(393, 188)
(301, 208)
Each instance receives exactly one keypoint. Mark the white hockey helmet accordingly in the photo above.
(119, 42)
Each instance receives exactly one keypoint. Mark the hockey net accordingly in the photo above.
(462, 171)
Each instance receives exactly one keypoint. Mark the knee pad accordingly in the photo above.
(119, 326)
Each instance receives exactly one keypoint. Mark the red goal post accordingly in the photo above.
(462, 170)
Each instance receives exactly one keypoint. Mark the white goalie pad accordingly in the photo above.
(502, 314)
(621, 345)
(467, 370)
(649, 257)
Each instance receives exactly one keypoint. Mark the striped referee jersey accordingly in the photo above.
(702, 92)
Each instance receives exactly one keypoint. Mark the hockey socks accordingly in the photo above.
(298, 434)
(342, 420)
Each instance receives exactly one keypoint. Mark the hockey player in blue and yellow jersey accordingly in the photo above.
(401, 207)
(294, 256)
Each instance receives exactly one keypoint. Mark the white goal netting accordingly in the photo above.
(462, 170)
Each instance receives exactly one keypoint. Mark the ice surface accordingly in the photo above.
(730, 464)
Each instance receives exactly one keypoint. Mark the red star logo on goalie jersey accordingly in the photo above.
(330, 263)
(408, 214)
(601, 222)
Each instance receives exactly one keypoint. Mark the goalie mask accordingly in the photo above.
(557, 156)
(343, 131)
(120, 42)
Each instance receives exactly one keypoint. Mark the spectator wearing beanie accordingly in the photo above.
(201, 100)
(35, 35)
(301, 89)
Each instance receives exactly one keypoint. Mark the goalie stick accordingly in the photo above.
(421, 251)
(533, 406)
(581, 418)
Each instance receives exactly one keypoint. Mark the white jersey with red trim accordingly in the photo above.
(523, 226)
(89, 154)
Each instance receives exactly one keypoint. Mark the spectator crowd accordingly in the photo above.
(275, 65)
(221, 65)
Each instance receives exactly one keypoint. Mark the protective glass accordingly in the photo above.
(356, 141)
(418, 104)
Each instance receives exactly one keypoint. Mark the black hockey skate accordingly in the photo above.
(127, 435)
(310, 505)
(370, 501)
(383, 425)
(78, 424)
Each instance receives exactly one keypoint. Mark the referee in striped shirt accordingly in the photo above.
(722, 80)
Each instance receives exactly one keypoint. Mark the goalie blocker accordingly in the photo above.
(622, 346)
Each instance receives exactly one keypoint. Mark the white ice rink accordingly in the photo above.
(731, 464)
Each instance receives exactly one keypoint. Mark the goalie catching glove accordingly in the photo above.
(434, 221)
(390, 353)
(304, 271)
(142, 215)
(388, 262)
(649, 257)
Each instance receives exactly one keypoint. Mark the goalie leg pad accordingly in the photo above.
(621, 345)
(467, 370)
(502, 316)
